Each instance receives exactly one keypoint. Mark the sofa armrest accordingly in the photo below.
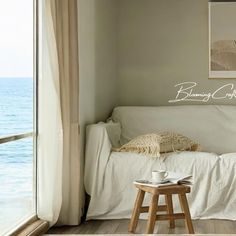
(99, 140)
(114, 133)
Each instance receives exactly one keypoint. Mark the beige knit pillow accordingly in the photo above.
(148, 144)
(154, 144)
(171, 142)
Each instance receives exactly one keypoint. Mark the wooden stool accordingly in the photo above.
(152, 210)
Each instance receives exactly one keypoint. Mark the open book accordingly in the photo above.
(172, 178)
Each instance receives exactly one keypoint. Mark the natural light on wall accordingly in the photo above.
(17, 161)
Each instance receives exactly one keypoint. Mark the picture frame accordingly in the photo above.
(222, 39)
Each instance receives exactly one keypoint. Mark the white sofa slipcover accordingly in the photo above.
(109, 175)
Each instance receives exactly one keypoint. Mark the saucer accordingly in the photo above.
(160, 182)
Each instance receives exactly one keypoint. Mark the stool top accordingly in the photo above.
(166, 189)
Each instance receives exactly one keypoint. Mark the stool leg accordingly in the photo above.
(136, 211)
(152, 214)
(184, 205)
(170, 210)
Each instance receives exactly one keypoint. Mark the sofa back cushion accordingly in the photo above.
(213, 127)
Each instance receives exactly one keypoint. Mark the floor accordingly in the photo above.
(120, 227)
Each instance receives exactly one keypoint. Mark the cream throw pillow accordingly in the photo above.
(148, 144)
(171, 142)
(154, 144)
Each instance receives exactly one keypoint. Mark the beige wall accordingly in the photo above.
(97, 50)
(162, 43)
(133, 52)
(98, 66)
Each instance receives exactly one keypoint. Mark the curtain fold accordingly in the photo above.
(60, 192)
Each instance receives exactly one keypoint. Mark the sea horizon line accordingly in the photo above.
(16, 77)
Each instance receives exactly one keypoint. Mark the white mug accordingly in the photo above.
(159, 175)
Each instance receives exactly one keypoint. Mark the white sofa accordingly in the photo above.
(109, 175)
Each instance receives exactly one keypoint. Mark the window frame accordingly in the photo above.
(32, 220)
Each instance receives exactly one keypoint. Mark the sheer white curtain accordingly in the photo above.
(60, 191)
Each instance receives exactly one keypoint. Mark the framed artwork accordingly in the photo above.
(222, 39)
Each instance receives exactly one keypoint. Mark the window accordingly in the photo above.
(17, 125)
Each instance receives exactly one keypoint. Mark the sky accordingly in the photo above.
(16, 38)
(223, 19)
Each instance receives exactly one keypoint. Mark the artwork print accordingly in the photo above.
(222, 40)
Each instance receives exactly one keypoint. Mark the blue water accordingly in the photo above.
(16, 158)
(16, 105)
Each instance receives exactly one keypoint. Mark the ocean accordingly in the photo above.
(16, 158)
